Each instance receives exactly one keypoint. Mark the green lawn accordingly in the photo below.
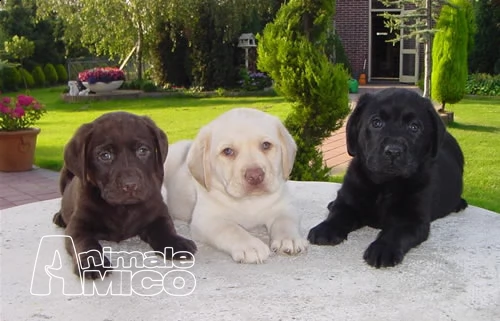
(476, 127)
(179, 117)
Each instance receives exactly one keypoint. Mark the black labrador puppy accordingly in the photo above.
(406, 171)
(111, 190)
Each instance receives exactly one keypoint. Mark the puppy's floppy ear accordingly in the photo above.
(198, 158)
(438, 128)
(288, 149)
(353, 124)
(75, 152)
(161, 144)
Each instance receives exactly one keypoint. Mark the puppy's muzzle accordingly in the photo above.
(393, 152)
(254, 176)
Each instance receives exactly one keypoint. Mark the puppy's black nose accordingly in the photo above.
(393, 151)
(254, 176)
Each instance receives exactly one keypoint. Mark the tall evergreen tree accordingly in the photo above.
(449, 54)
(292, 51)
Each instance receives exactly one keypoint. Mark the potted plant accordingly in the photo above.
(102, 79)
(17, 134)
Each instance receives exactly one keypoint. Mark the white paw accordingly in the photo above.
(251, 251)
(290, 246)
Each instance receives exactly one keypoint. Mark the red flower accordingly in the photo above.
(6, 100)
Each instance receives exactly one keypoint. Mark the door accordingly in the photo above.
(408, 61)
(385, 54)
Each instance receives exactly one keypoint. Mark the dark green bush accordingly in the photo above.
(38, 76)
(26, 78)
(148, 86)
(483, 84)
(135, 84)
(50, 74)
(11, 78)
(62, 73)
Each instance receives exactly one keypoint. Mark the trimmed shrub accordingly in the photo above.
(62, 73)
(11, 78)
(26, 78)
(38, 76)
(449, 54)
(50, 74)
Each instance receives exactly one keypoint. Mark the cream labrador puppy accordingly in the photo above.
(232, 178)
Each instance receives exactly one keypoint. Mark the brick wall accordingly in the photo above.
(352, 22)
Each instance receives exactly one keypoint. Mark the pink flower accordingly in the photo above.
(6, 100)
(4, 109)
(37, 105)
(24, 100)
(18, 112)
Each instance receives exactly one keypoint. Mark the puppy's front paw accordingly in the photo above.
(290, 246)
(181, 244)
(93, 267)
(381, 254)
(325, 234)
(251, 251)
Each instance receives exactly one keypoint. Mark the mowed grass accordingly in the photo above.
(476, 127)
(179, 117)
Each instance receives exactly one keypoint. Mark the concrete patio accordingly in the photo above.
(455, 275)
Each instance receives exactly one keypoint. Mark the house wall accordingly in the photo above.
(352, 26)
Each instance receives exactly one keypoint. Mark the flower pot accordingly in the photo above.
(102, 87)
(17, 149)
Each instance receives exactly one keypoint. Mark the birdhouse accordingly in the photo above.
(247, 40)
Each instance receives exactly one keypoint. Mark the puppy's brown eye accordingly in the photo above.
(414, 127)
(142, 151)
(228, 151)
(377, 122)
(105, 156)
(266, 145)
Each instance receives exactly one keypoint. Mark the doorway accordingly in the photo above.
(385, 56)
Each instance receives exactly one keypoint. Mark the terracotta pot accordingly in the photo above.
(17, 149)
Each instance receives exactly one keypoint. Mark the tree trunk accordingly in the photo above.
(428, 51)
(139, 51)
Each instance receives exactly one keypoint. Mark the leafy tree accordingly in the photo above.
(19, 48)
(112, 27)
(449, 54)
(486, 51)
(417, 21)
(18, 18)
(199, 43)
(292, 51)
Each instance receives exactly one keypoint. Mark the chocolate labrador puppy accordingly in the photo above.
(406, 171)
(111, 190)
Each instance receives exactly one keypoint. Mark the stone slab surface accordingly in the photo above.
(455, 275)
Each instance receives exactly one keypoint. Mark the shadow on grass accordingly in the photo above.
(475, 128)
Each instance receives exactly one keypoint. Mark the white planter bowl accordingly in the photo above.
(102, 87)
